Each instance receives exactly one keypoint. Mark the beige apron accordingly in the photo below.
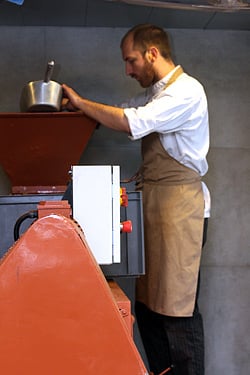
(173, 206)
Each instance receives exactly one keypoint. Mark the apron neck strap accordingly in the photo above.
(174, 76)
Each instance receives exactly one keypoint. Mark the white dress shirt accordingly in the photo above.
(179, 114)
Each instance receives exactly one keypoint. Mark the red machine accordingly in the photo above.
(58, 313)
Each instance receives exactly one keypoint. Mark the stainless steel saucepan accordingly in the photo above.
(42, 96)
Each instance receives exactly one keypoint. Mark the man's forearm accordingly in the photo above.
(109, 116)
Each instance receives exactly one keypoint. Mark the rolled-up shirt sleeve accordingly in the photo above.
(139, 126)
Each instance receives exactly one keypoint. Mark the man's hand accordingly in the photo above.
(71, 100)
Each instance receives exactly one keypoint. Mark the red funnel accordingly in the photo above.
(37, 150)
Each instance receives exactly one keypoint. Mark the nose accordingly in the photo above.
(128, 69)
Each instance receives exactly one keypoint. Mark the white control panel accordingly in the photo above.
(96, 208)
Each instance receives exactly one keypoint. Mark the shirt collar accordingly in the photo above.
(159, 85)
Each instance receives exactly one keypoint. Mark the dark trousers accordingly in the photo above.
(173, 342)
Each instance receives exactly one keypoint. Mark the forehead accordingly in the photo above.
(128, 50)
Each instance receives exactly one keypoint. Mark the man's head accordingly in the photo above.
(146, 35)
(146, 52)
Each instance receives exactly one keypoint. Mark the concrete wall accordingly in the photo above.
(90, 61)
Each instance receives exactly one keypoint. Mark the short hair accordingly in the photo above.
(146, 35)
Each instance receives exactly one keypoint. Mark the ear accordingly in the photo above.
(152, 54)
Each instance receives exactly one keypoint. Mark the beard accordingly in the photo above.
(147, 75)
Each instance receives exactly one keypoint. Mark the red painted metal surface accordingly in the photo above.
(123, 304)
(37, 150)
(46, 208)
(57, 313)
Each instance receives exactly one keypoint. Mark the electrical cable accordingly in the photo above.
(28, 215)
